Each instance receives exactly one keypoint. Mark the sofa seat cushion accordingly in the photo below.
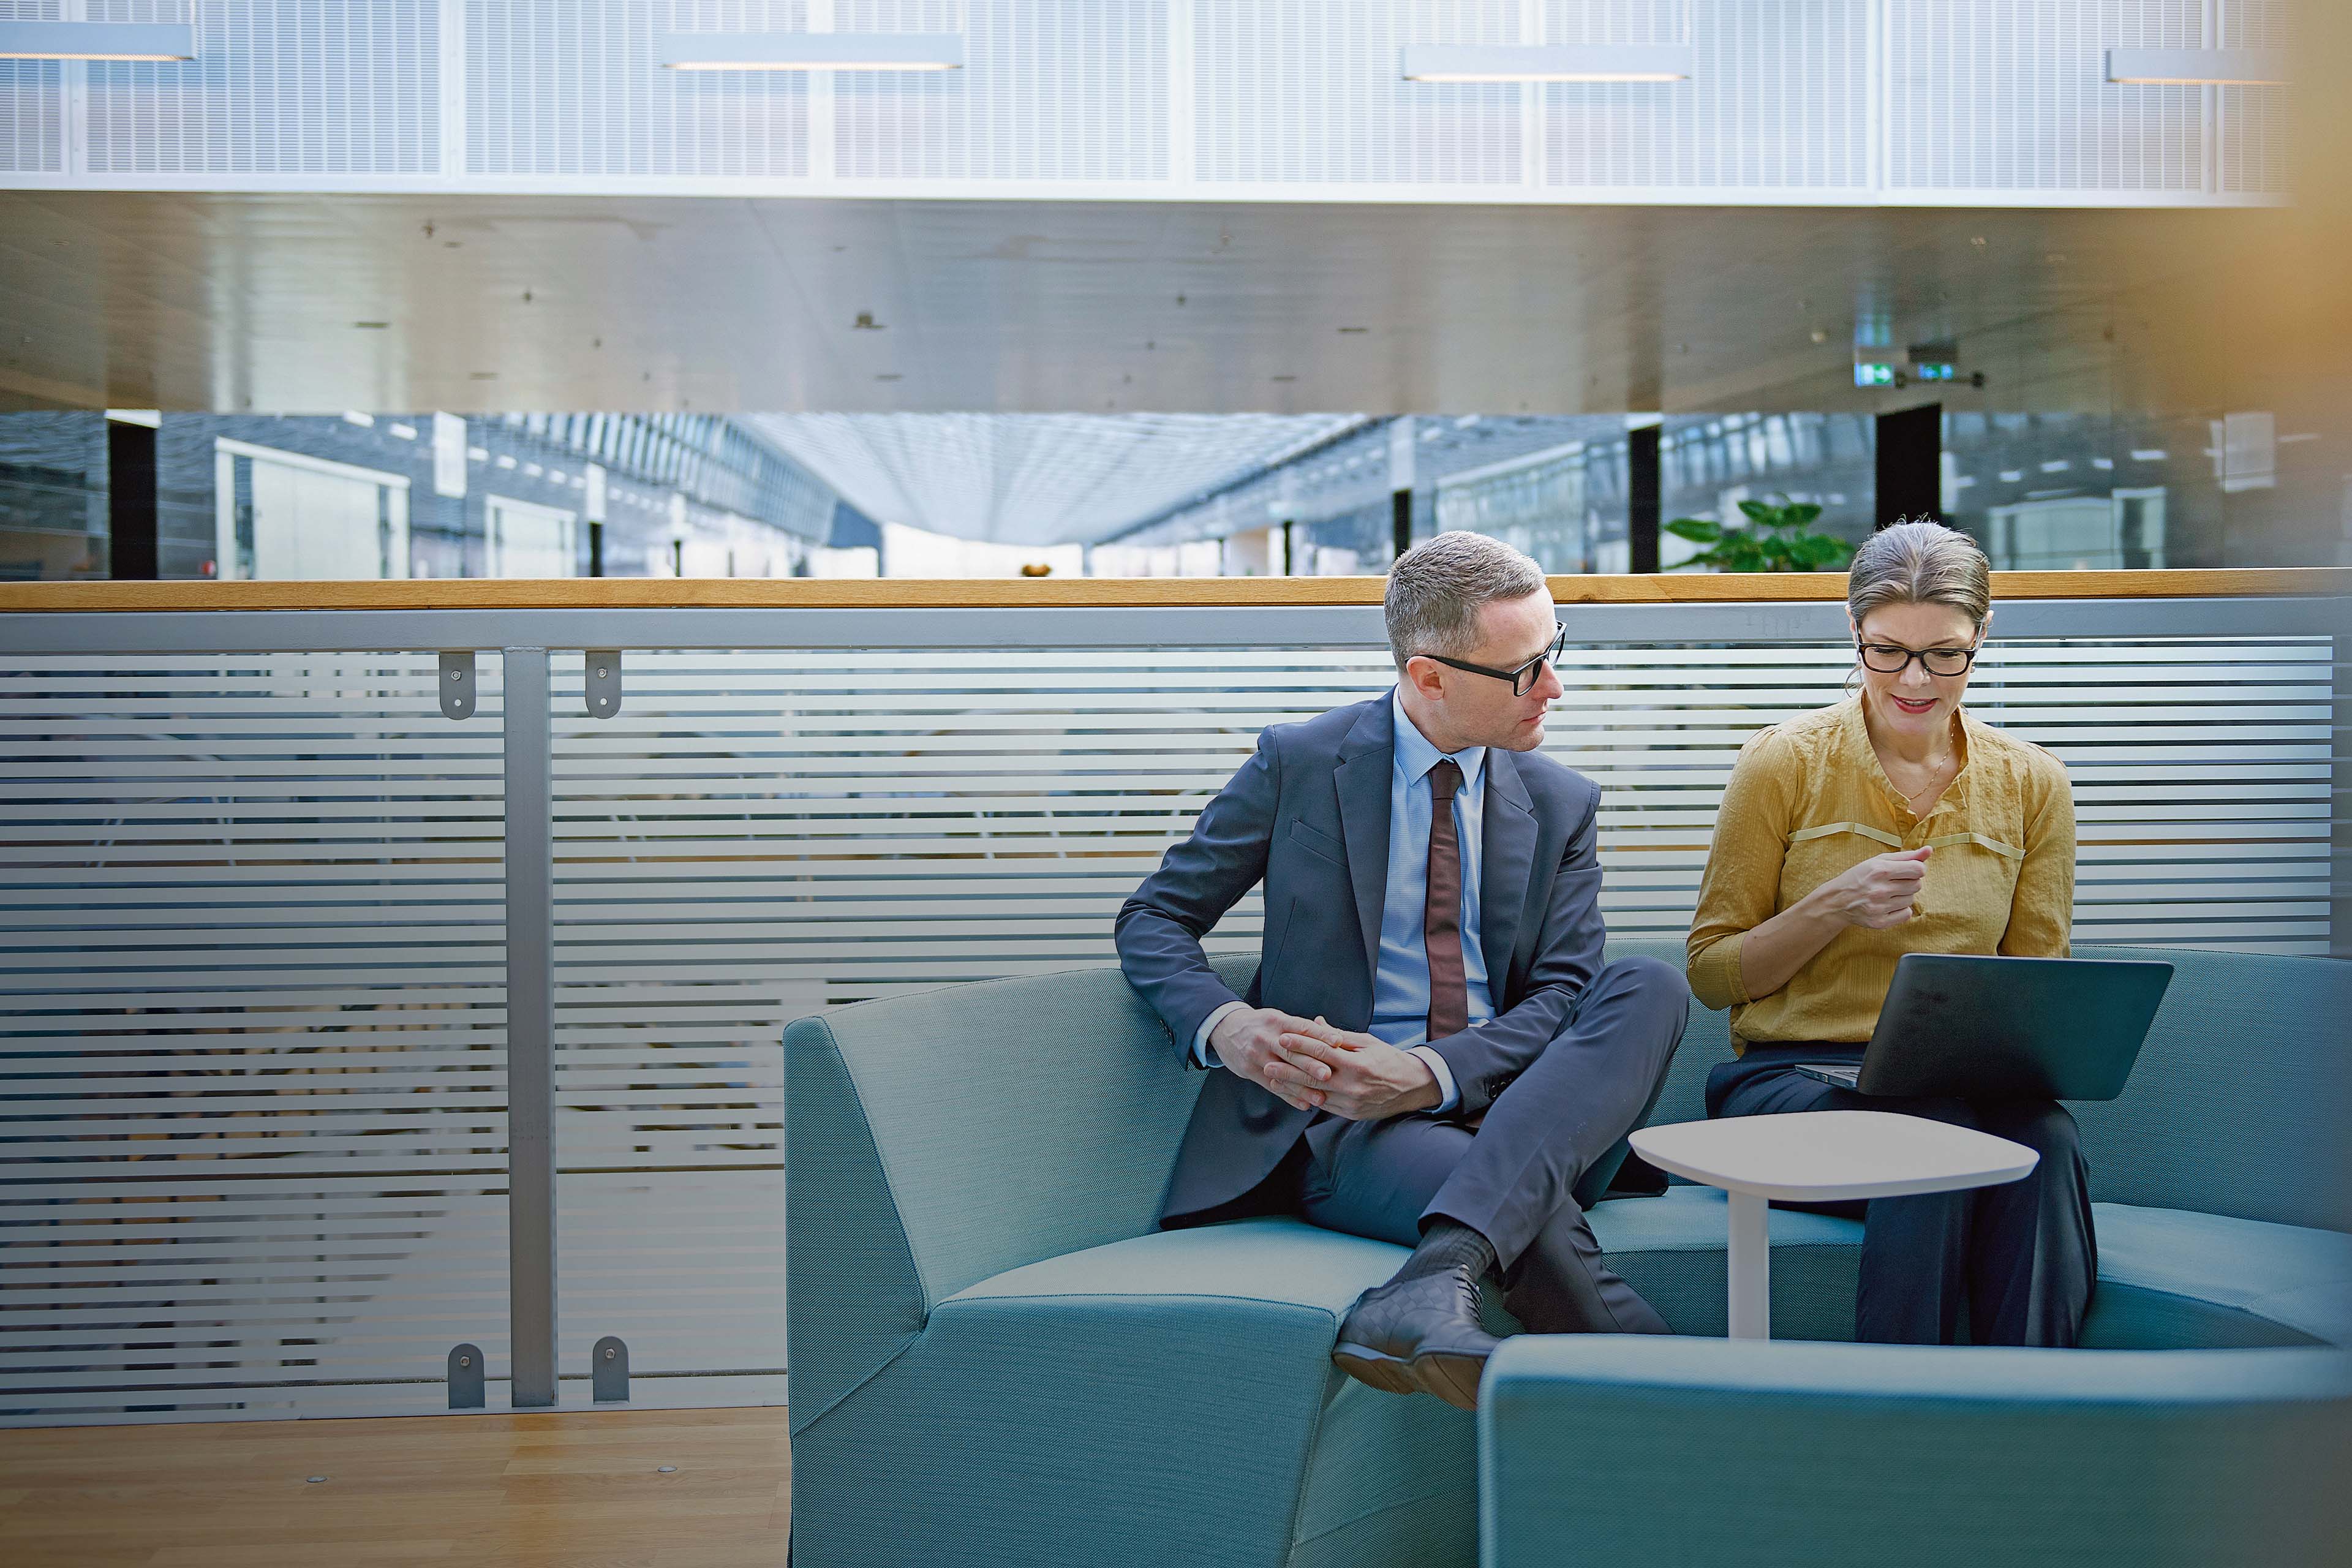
(1265, 1262)
(2174, 1279)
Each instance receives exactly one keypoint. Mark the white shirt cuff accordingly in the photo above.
(1201, 1052)
(1448, 1096)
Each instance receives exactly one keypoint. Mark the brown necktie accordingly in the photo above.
(1440, 917)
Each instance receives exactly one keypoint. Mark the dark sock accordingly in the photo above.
(1446, 1244)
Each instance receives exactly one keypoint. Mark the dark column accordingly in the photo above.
(1401, 520)
(595, 549)
(1289, 569)
(130, 501)
(1910, 464)
(1641, 491)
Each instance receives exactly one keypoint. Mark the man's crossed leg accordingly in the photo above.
(1498, 1200)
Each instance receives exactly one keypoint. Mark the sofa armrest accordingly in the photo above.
(935, 1140)
(1613, 1449)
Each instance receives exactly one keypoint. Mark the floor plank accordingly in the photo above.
(581, 1491)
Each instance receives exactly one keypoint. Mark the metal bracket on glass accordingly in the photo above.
(457, 684)
(608, 1371)
(603, 689)
(466, 1378)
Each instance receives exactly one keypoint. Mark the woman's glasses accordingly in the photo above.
(1893, 658)
(1523, 680)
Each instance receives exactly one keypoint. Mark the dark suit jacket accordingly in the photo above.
(1309, 815)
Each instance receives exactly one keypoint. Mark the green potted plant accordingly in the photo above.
(1777, 540)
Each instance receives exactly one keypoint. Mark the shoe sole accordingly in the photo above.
(1377, 1368)
(1453, 1378)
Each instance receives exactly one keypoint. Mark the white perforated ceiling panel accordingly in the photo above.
(2250, 131)
(325, 87)
(2012, 95)
(32, 117)
(1779, 97)
(1051, 90)
(1309, 90)
(573, 90)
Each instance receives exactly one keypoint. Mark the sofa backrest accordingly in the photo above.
(2239, 1104)
(1012, 1119)
(2242, 1097)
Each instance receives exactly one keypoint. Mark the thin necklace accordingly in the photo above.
(1935, 784)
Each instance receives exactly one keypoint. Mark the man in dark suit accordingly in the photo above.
(1384, 1077)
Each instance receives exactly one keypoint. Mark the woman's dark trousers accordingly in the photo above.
(2021, 1256)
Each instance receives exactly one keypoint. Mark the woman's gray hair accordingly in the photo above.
(1436, 589)
(1919, 563)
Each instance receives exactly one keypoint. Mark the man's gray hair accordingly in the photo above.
(1436, 589)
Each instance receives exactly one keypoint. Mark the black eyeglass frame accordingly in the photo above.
(1968, 657)
(1523, 680)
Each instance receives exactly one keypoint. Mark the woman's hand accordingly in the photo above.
(1879, 893)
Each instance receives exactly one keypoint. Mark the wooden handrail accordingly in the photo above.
(1025, 593)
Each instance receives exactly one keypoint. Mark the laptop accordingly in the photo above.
(2006, 1028)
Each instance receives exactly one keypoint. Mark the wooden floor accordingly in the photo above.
(580, 1490)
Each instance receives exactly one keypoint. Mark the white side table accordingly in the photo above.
(1819, 1156)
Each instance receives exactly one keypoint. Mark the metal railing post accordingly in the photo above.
(530, 1027)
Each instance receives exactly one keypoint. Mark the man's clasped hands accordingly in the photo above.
(1312, 1066)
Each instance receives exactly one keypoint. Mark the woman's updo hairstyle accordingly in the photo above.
(1919, 563)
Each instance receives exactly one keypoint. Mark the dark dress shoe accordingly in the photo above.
(1419, 1335)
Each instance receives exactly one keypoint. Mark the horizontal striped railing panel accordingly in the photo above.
(253, 1138)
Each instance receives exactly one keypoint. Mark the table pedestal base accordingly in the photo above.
(1750, 1268)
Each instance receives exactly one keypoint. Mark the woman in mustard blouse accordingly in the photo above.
(1895, 822)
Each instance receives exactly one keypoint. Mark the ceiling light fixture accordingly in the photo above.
(1547, 62)
(2198, 67)
(811, 51)
(157, 42)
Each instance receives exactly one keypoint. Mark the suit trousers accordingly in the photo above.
(2022, 1256)
(1514, 1178)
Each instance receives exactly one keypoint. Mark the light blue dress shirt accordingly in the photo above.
(1401, 980)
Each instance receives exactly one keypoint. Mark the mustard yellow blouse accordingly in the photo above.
(1808, 801)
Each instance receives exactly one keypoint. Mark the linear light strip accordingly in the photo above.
(810, 51)
(2198, 67)
(164, 42)
(1576, 62)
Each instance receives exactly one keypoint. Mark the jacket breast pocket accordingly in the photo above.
(1315, 841)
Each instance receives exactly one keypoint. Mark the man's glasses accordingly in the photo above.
(1893, 658)
(1523, 680)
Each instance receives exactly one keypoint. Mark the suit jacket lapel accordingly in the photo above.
(1506, 862)
(1367, 760)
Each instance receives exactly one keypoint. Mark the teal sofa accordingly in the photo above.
(997, 1358)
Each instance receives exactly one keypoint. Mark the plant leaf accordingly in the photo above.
(1740, 552)
(1695, 530)
(1802, 512)
(1813, 552)
(1759, 512)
